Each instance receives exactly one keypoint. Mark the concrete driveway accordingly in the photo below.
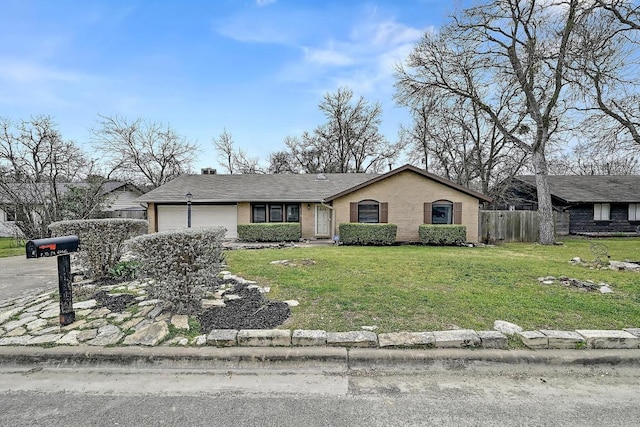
(19, 275)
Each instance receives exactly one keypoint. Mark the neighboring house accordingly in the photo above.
(406, 196)
(119, 198)
(586, 203)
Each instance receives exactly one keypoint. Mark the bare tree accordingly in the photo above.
(605, 70)
(145, 152)
(349, 141)
(508, 46)
(452, 137)
(234, 160)
(37, 169)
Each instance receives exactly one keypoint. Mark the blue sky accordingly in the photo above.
(257, 68)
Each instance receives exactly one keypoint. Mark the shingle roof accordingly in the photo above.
(592, 188)
(255, 187)
(276, 188)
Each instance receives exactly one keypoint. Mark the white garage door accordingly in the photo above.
(172, 217)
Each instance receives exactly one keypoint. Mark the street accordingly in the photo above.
(491, 395)
(20, 276)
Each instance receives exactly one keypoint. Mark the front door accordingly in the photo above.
(323, 221)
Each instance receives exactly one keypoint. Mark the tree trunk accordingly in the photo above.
(545, 209)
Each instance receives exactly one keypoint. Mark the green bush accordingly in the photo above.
(102, 241)
(442, 235)
(269, 232)
(182, 263)
(353, 233)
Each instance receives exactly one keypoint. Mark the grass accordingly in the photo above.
(420, 288)
(10, 247)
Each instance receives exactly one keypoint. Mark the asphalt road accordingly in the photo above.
(19, 275)
(501, 395)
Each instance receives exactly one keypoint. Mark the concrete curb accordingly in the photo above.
(327, 358)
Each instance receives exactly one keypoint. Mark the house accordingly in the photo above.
(406, 196)
(119, 200)
(584, 204)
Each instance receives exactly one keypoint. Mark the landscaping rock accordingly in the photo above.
(44, 339)
(609, 339)
(407, 339)
(180, 321)
(534, 339)
(8, 314)
(626, 266)
(633, 331)
(22, 340)
(36, 324)
(90, 303)
(506, 328)
(304, 337)
(459, 338)
(223, 337)
(264, 337)
(564, 339)
(17, 332)
(10, 326)
(107, 335)
(352, 339)
(150, 335)
(493, 339)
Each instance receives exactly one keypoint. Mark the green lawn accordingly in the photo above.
(9, 247)
(421, 288)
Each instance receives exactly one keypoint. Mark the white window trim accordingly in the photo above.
(602, 212)
(634, 211)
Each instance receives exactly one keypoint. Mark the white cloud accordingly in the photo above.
(21, 72)
(329, 57)
(363, 60)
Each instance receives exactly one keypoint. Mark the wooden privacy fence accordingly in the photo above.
(517, 226)
(509, 226)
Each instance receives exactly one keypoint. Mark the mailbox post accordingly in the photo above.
(59, 247)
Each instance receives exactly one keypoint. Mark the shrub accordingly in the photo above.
(269, 232)
(182, 263)
(443, 235)
(101, 241)
(353, 233)
(124, 270)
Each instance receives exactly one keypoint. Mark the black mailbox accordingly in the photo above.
(54, 246)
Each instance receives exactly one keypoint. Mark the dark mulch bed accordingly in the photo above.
(115, 303)
(252, 311)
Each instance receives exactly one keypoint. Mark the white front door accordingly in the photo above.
(323, 221)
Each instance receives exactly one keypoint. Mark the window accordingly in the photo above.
(275, 212)
(369, 211)
(601, 212)
(293, 213)
(442, 213)
(259, 213)
(634, 211)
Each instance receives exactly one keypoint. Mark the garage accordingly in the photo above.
(174, 217)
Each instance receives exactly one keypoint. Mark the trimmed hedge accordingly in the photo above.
(269, 232)
(183, 264)
(101, 241)
(354, 233)
(442, 235)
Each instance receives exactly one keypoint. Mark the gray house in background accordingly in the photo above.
(585, 204)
